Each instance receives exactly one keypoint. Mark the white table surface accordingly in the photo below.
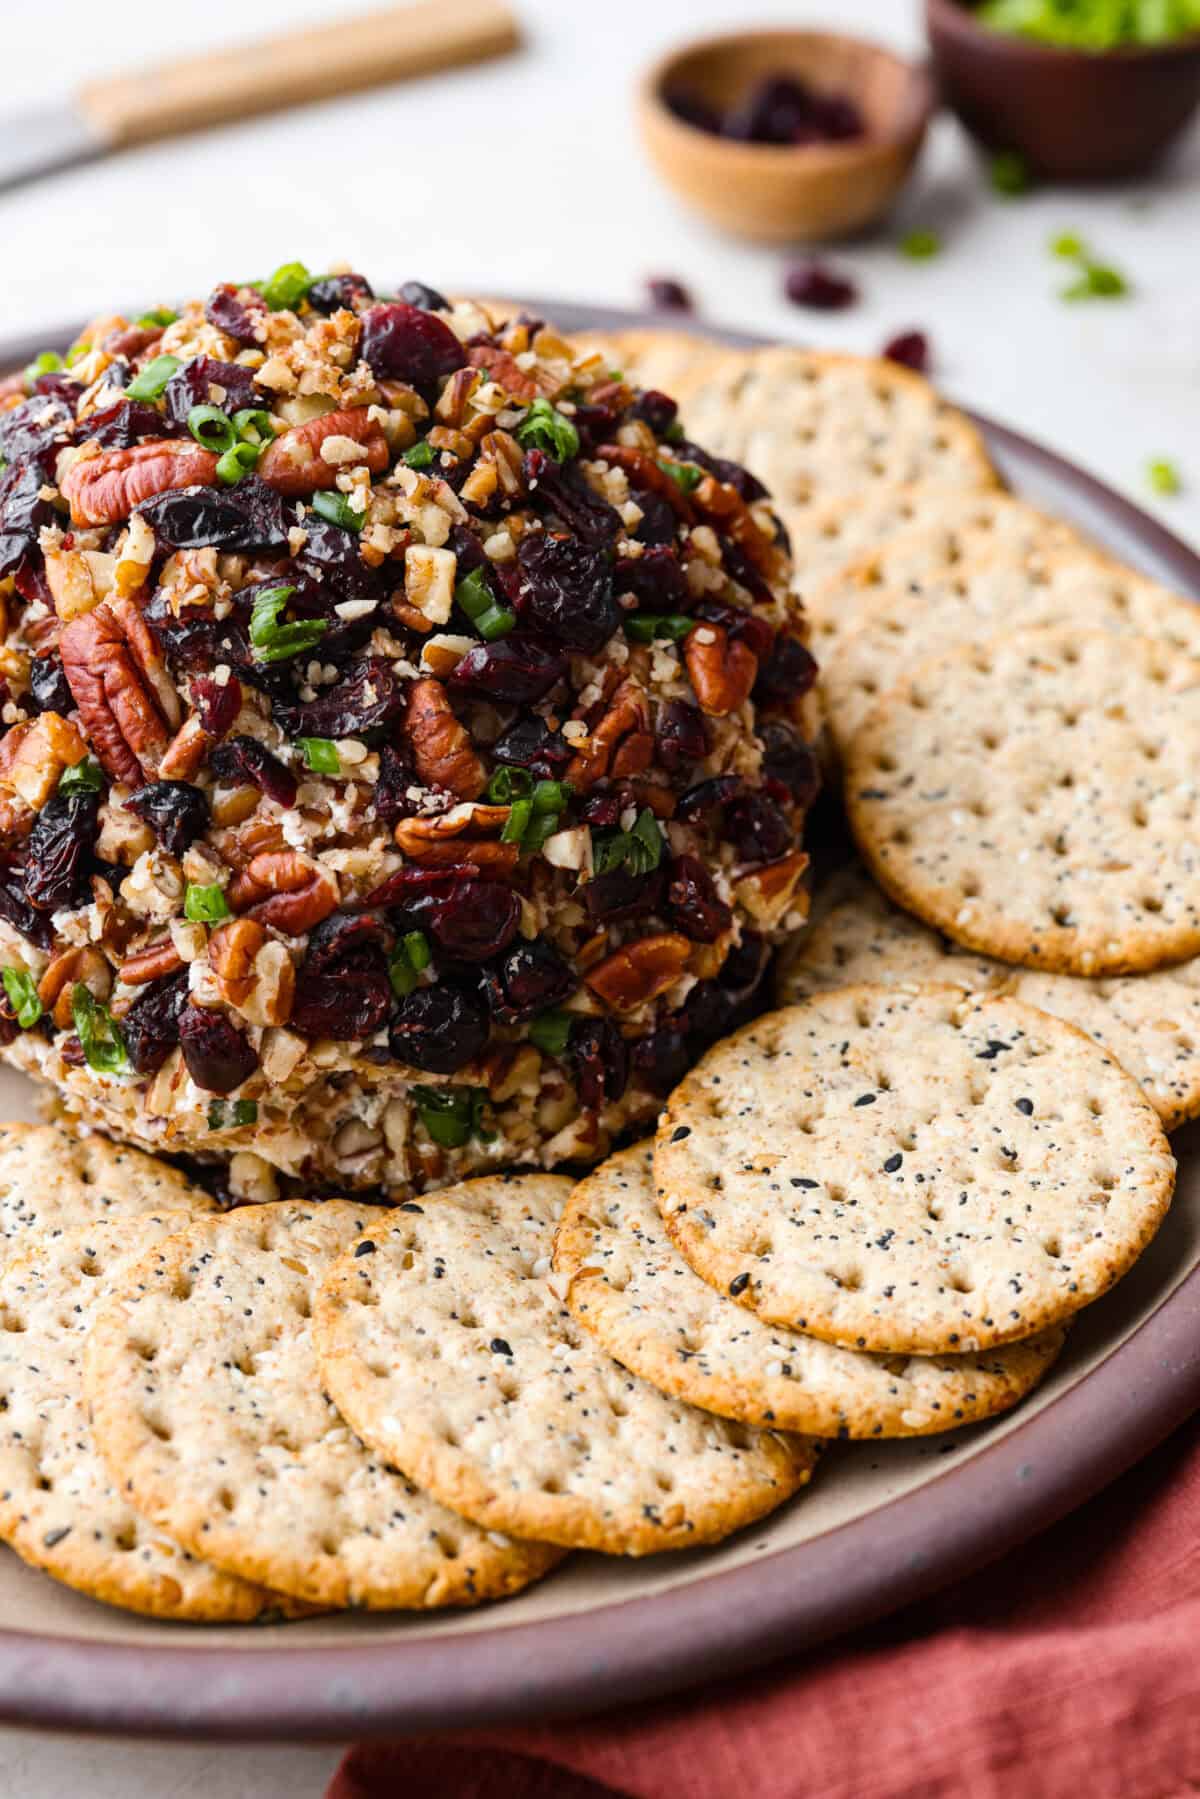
(524, 176)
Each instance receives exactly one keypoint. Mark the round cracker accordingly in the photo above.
(633, 1290)
(856, 551)
(448, 1349)
(921, 606)
(51, 1180)
(60, 1508)
(1035, 799)
(205, 1395)
(1149, 1022)
(911, 1169)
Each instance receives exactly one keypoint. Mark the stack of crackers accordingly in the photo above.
(870, 1213)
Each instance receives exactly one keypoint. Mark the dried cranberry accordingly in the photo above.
(23, 512)
(529, 979)
(343, 991)
(530, 743)
(218, 703)
(126, 423)
(655, 579)
(249, 516)
(151, 1025)
(335, 293)
(567, 591)
(744, 967)
(598, 1056)
(438, 1028)
(61, 386)
(693, 902)
(604, 807)
(661, 1059)
(743, 571)
(330, 555)
(48, 690)
(192, 385)
(416, 293)
(621, 895)
(16, 910)
(910, 349)
(395, 776)
(371, 699)
(516, 669)
(658, 524)
(667, 294)
(757, 828)
(658, 410)
(476, 919)
(820, 287)
(244, 761)
(218, 1055)
(787, 675)
(404, 343)
(59, 851)
(43, 423)
(681, 735)
(236, 317)
(176, 812)
(559, 489)
(789, 762)
(732, 473)
(706, 796)
(694, 109)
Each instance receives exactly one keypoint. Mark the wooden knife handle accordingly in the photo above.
(305, 65)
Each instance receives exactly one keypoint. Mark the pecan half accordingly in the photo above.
(105, 489)
(33, 756)
(451, 839)
(293, 464)
(286, 890)
(64, 973)
(771, 890)
(186, 751)
(622, 744)
(151, 963)
(121, 687)
(718, 501)
(722, 671)
(254, 974)
(638, 972)
(442, 752)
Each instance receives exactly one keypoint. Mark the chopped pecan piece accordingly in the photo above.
(63, 974)
(722, 671)
(442, 752)
(503, 367)
(453, 839)
(293, 464)
(772, 890)
(638, 972)
(122, 689)
(254, 974)
(104, 489)
(723, 504)
(644, 472)
(286, 890)
(621, 745)
(34, 755)
(151, 963)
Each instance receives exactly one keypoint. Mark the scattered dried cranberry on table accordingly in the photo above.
(406, 735)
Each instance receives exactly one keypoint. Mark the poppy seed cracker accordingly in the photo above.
(450, 1351)
(633, 1290)
(911, 1169)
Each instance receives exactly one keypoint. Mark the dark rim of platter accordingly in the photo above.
(639, 1648)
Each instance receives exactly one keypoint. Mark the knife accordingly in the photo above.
(266, 76)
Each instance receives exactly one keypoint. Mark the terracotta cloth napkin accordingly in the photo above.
(1068, 1670)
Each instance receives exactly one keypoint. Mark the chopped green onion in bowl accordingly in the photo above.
(1093, 25)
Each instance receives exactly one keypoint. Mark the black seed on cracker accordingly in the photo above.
(1026, 1106)
(893, 1163)
(410, 1205)
(680, 1132)
(365, 1248)
(499, 1346)
(738, 1284)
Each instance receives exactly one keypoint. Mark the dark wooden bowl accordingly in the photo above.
(1074, 115)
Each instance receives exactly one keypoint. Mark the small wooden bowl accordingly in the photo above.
(1074, 115)
(784, 193)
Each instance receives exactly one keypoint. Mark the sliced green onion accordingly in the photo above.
(415, 945)
(551, 796)
(545, 428)
(540, 828)
(153, 378)
(274, 642)
(159, 317)
(508, 784)
(100, 1035)
(652, 627)
(245, 1111)
(420, 456)
(254, 426)
(452, 1115)
(205, 905)
(320, 754)
(1069, 246)
(639, 849)
(674, 432)
(517, 822)
(1008, 173)
(238, 461)
(21, 989)
(48, 363)
(684, 474)
(337, 509)
(406, 961)
(551, 1032)
(287, 287)
(475, 597)
(919, 246)
(402, 977)
(85, 777)
(210, 427)
(216, 1115)
(79, 349)
(1096, 282)
(1164, 476)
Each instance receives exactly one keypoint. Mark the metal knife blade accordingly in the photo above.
(41, 142)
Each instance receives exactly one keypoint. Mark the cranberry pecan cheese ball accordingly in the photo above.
(406, 737)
